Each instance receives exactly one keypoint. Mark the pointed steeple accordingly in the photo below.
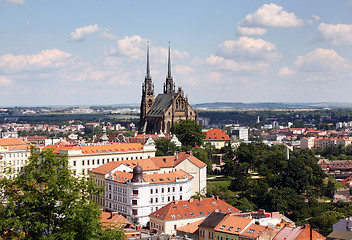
(148, 67)
(148, 84)
(169, 64)
(169, 86)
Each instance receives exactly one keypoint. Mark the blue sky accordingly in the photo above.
(93, 52)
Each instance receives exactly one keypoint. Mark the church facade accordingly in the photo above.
(157, 115)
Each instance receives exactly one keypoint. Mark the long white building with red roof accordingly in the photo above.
(83, 159)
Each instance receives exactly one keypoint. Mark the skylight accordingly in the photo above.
(185, 206)
(238, 229)
(222, 227)
(230, 228)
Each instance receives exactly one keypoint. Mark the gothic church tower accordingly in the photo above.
(169, 86)
(147, 95)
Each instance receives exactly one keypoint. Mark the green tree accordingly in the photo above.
(46, 201)
(205, 156)
(164, 147)
(188, 132)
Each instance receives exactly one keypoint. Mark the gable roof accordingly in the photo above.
(192, 208)
(161, 104)
(4, 142)
(110, 219)
(253, 231)
(216, 135)
(213, 220)
(233, 224)
(190, 228)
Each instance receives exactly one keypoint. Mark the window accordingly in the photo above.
(238, 229)
(82, 162)
(192, 214)
(173, 189)
(162, 190)
(174, 207)
(134, 211)
(175, 226)
(156, 200)
(151, 200)
(87, 162)
(173, 198)
(151, 191)
(222, 227)
(230, 228)
(93, 161)
(168, 189)
(173, 216)
(134, 202)
(180, 197)
(135, 192)
(156, 190)
(198, 205)
(201, 213)
(214, 203)
(98, 161)
(74, 163)
(168, 198)
(250, 231)
(185, 206)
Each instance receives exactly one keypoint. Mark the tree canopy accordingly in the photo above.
(46, 201)
(188, 132)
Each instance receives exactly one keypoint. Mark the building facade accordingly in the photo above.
(14, 154)
(157, 115)
(83, 159)
(136, 195)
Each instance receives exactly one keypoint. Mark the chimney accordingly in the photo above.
(175, 202)
(200, 199)
(191, 200)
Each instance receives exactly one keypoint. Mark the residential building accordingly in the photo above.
(216, 137)
(136, 195)
(14, 154)
(240, 133)
(181, 213)
(190, 230)
(83, 159)
(182, 161)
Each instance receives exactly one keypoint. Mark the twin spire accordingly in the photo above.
(169, 86)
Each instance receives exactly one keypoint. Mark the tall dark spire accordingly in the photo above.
(148, 67)
(169, 64)
(148, 84)
(169, 86)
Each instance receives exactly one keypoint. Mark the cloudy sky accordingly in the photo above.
(94, 52)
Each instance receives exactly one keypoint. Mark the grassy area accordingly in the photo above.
(222, 184)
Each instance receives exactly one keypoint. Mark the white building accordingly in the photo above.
(240, 132)
(14, 154)
(136, 195)
(83, 159)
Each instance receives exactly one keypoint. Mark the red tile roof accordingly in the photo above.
(115, 147)
(192, 208)
(233, 224)
(153, 163)
(253, 231)
(216, 135)
(108, 219)
(190, 228)
(4, 142)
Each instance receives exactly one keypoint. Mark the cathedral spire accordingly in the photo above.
(169, 86)
(169, 65)
(148, 67)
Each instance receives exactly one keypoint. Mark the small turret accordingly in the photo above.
(137, 174)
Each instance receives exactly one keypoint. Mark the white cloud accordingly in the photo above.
(18, 2)
(80, 34)
(269, 15)
(184, 70)
(220, 63)
(134, 48)
(285, 71)
(51, 58)
(335, 34)
(4, 81)
(321, 60)
(248, 49)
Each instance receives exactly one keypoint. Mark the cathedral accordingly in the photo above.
(157, 115)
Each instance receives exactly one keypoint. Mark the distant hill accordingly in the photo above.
(271, 105)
